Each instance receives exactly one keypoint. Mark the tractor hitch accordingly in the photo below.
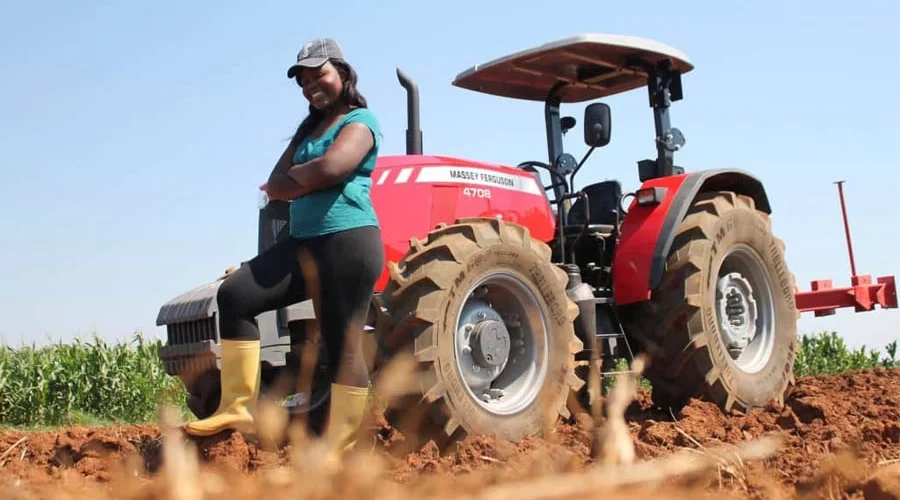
(862, 295)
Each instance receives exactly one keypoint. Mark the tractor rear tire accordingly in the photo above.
(690, 328)
(203, 392)
(430, 300)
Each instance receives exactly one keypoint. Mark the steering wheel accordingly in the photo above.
(530, 167)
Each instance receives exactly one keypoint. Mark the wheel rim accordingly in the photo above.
(501, 343)
(745, 309)
(304, 402)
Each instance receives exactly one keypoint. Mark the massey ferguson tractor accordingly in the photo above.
(504, 290)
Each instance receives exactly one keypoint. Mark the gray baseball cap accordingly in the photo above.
(314, 54)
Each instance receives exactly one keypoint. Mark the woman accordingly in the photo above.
(325, 172)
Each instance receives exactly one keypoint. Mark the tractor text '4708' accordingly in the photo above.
(505, 290)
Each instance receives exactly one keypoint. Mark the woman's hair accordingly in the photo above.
(350, 95)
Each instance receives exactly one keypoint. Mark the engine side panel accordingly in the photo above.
(413, 194)
(648, 231)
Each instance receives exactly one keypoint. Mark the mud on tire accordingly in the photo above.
(427, 298)
(686, 327)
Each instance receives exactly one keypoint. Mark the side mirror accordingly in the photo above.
(597, 125)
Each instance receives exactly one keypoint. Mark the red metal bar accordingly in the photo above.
(840, 185)
(862, 295)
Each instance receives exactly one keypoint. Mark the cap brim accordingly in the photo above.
(312, 62)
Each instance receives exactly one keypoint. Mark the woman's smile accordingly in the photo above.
(318, 97)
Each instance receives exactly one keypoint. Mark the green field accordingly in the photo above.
(85, 383)
(100, 383)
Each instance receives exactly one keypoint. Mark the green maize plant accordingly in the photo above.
(64, 384)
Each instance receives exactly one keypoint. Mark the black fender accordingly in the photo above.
(695, 183)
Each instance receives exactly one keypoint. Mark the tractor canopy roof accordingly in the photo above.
(593, 65)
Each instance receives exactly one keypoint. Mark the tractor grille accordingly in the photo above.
(278, 226)
(273, 224)
(190, 332)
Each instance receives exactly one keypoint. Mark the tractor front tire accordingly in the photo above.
(479, 303)
(722, 325)
(203, 392)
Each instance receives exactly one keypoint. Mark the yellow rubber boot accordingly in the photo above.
(240, 390)
(348, 409)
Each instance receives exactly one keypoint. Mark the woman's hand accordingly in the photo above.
(279, 186)
(282, 187)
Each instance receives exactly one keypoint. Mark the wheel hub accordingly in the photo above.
(490, 343)
(482, 344)
(501, 344)
(738, 312)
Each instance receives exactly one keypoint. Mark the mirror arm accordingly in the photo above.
(572, 175)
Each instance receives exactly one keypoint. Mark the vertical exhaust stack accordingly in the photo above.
(413, 131)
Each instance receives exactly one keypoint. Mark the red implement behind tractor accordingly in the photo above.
(503, 294)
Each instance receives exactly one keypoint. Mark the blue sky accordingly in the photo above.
(134, 135)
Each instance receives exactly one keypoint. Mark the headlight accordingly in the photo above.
(263, 199)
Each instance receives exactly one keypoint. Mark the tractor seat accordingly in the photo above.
(603, 200)
(573, 231)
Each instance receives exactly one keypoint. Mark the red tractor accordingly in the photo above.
(503, 294)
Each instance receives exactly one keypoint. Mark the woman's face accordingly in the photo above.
(321, 86)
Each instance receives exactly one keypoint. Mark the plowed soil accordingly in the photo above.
(839, 438)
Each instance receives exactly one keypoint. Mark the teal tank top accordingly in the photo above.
(345, 205)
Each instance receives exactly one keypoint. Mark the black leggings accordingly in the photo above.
(345, 267)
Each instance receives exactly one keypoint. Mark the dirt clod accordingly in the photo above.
(884, 483)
